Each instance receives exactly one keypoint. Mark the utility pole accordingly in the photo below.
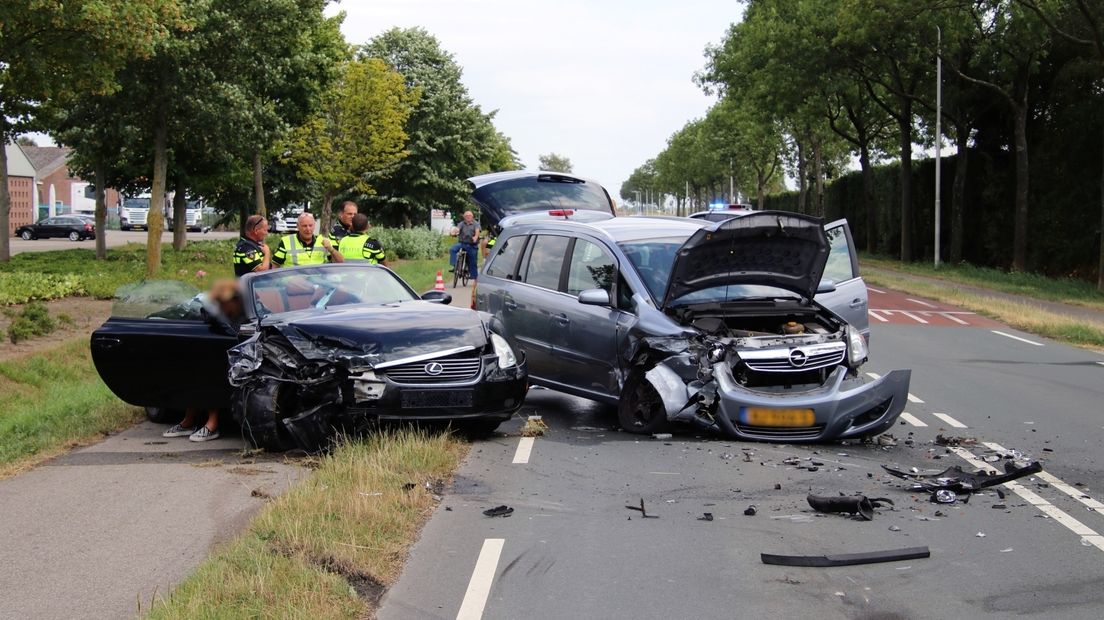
(938, 132)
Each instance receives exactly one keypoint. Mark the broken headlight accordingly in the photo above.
(506, 357)
(856, 347)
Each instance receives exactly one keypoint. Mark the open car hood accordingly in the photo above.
(771, 248)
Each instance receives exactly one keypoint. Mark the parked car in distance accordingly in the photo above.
(754, 326)
(320, 348)
(75, 227)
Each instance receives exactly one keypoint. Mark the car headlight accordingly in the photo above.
(856, 346)
(506, 357)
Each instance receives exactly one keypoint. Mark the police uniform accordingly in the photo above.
(248, 255)
(338, 232)
(360, 247)
(293, 251)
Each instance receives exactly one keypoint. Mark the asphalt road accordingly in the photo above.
(115, 238)
(571, 549)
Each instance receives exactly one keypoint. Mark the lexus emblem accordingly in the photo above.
(435, 368)
(797, 358)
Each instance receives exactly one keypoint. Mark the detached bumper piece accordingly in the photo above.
(852, 504)
(846, 559)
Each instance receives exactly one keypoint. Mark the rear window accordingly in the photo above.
(543, 192)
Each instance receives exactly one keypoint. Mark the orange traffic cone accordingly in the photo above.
(440, 284)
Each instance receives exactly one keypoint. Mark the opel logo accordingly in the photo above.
(435, 368)
(797, 358)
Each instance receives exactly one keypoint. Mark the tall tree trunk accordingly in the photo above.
(802, 178)
(99, 177)
(958, 191)
(5, 198)
(324, 218)
(761, 187)
(1019, 233)
(868, 197)
(1100, 267)
(258, 185)
(904, 124)
(818, 170)
(180, 213)
(154, 219)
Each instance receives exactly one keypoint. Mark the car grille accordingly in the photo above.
(453, 370)
(820, 356)
(771, 432)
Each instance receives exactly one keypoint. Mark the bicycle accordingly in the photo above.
(460, 272)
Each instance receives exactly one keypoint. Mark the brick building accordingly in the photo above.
(21, 188)
(58, 190)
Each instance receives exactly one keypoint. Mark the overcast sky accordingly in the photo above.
(604, 82)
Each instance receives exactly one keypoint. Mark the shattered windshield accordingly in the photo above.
(653, 259)
(321, 287)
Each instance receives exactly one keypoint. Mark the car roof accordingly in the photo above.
(620, 229)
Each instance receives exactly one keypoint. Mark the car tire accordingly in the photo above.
(74, 236)
(641, 409)
(124, 228)
(26, 235)
(162, 415)
(260, 409)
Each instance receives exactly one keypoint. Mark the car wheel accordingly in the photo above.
(260, 409)
(161, 415)
(641, 409)
(74, 236)
(26, 235)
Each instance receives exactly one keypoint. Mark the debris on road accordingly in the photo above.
(750, 510)
(643, 512)
(499, 511)
(706, 516)
(955, 479)
(851, 504)
(846, 559)
(661, 436)
(895, 528)
(950, 440)
(535, 426)
(944, 496)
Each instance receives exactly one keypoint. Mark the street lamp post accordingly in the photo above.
(938, 133)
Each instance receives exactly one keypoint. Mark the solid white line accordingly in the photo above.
(1057, 483)
(1086, 533)
(874, 290)
(949, 420)
(885, 320)
(913, 316)
(911, 419)
(873, 375)
(914, 399)
(1038, 344)
(948, 315)
(922, 303)
(479, 588)
(525, 447)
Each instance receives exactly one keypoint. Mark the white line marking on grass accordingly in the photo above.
(885, 320)
(913, 316)
(1087, 534)
(1038, 344)
(922, 303)
(913, 399)
(524, 449)
(479, 588)
(911, 419)
(949, 420)
(948, 315)
(874, 290)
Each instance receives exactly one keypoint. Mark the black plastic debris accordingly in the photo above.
(852, 504)
(750, 510)
(499, 511)
(643, 512)
(846, 559)
(706, 516)
(944, 496)
(1000, 506)
(954, 479)
(777, 486)
(951, 440)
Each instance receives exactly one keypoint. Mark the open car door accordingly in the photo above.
(849, 300)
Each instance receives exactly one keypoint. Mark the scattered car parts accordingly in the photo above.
(846, 559)
(850, 504)
(959, 481)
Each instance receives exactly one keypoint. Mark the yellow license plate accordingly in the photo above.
(764, 416)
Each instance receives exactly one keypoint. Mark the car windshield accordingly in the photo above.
(158, 299)
(653, 259)
(544, 192)
(136, 203)
(324, 287)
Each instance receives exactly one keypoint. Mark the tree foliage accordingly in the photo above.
(554, 162)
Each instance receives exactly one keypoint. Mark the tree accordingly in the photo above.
(502, 156)
(357, 133)
(555, 163)
(35, 70)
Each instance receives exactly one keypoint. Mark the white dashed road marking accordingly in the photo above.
(524, 449)
(913, 316)
(913, 399)
(949, 420)
(911, 419)
(881, 318)
(999, 333)
(948, 315)
(873, 375)
(922, 303)
(1057, 483)
(874, 290)
(479, 588)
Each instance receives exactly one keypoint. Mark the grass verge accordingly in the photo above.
(1065, 290)
(1021, 316)
(330, 546)
(52, 401)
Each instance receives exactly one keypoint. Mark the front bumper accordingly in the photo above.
(843, 407)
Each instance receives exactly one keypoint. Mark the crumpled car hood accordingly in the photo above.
(379, 334)
(772, 248)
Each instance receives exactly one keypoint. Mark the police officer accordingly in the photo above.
(344, 223)
(358, 246)
(251, 253)
(303, 248)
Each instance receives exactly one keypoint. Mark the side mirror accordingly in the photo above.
(437, 297)
(826, 286)
(594, 297)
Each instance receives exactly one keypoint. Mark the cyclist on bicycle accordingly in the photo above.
(468, 238)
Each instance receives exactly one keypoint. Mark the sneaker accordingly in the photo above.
(204, 435)
(179, 431)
